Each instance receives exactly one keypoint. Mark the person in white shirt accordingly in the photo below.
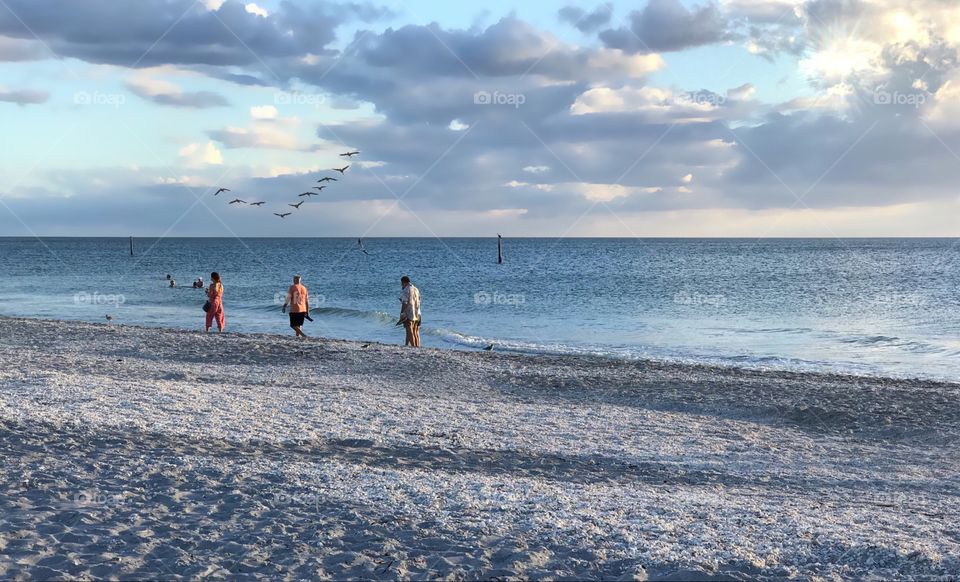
(410, 312)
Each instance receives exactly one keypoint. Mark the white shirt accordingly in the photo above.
(410, 297)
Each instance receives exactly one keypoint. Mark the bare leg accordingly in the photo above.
(299, 332)
(408, 327)
(416, 334)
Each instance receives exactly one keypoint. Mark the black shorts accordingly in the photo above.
(296, 319)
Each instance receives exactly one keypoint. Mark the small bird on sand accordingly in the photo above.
(297, 205)
(282, 214)
(488, 348)
(307, 194)
(237, 201)
(341, 170)
(257, 203)
(348, 154)
(109, 317)
(327, 179)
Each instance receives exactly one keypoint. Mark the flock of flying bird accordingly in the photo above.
(297, 206)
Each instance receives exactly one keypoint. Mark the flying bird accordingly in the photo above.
(341, 170)
(221, 190)
(282, 215)
(297, 205)
(237, 201)
(320, 188)
(307, 194)
(327, 179)
(257, 203)
(348, 154)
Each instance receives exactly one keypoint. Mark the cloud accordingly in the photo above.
(198, 154)
(264, 112)
(17, 50)
(23, 96)
(585, 22)
(667, 25)
(258, 136)
(254, 9)
(165, 93)
(182, 32)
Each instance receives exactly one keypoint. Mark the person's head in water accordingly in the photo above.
(404, 281)
(296, 279)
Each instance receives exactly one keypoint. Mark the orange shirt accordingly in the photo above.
(298, 296)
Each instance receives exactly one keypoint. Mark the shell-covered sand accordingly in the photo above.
(146, 453)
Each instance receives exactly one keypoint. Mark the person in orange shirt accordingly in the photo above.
(298, 298)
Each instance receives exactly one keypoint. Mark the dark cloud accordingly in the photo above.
(585, 22)
(180, 32)
(24, 96)
(667, 25)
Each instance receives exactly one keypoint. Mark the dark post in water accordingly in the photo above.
(499, 250)
(131, 246)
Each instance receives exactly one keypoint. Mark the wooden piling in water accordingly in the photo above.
(499, 250)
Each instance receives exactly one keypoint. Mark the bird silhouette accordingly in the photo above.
(327, 179)
(257, 203)
(109, 317)
(488, 348)
(341, 170)
(348, 154)
(307, 194)
(297, 205)
(217, 193)
(320, 188)
(237, 201)
(282, 215)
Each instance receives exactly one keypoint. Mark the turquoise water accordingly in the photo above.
(885, 306)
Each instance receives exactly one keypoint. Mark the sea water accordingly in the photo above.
(864, 306)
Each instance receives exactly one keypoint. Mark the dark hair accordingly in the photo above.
(215, 277)
(404, 279)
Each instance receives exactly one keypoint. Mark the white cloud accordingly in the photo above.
(457, 125)
(254, 9)
(370, 164)
(264, 112)
(198, 154)
(536, 169)
(687, 179)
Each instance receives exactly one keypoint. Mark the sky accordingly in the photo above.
(722, 118)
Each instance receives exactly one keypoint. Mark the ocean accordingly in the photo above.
(886, 307)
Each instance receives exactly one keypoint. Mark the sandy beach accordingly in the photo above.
(145, 453)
